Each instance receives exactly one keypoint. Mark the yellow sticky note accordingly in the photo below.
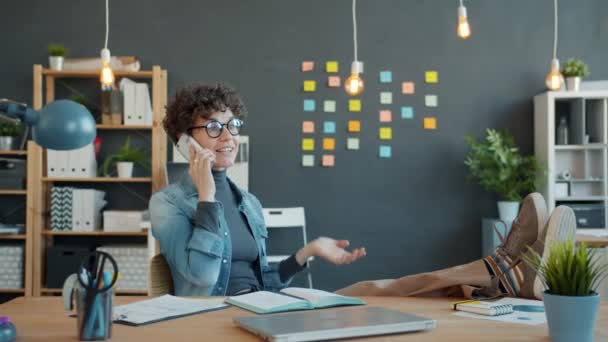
(354, 105)
(310, 85)
(333, 81)
(386, 133)
(331, 66)
(328, 160)
(308, 65)
(354, 126)
(308, 144)
(431, 76)
(329, 144)
(430, 123)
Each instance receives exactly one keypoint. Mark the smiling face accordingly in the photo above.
(225, 147)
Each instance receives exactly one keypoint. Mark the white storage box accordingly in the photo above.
(122, 220)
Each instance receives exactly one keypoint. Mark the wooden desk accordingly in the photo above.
(43, 319)
(592, 241)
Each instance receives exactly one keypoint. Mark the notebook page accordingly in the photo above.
(312, 295)
(265, 300)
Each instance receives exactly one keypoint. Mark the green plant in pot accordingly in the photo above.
(571, 276)
(57, 53)
(9, 132)
(124, 160)
(573, 70)
(499, 167)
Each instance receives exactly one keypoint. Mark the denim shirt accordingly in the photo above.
(195, 240)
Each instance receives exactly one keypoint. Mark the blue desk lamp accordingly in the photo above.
(60, 125)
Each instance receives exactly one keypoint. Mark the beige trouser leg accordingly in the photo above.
(457, 281)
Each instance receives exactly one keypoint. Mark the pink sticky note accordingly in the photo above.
(386, 116)
(407, 87)
(308, 127)
(328, 160)
(308, 66)
(333, 81)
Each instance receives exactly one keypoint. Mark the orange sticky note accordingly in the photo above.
(328, 160)
(354, 105)
(386, 133)
(386, 116)
(407, 87)
(354, 126)
(308, 66)
(431, 76)
(310, 85)
(308, 127)
(430, 123)
(331, 66)
(329, 144)
(333, 81)
(308, 144)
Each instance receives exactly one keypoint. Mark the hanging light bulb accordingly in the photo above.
(464, 30)
(554, 79)
(106, 76)
(354, 83)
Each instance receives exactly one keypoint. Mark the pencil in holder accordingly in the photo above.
(94, 314)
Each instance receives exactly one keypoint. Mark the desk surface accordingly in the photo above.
(44, 319)
(592, 241)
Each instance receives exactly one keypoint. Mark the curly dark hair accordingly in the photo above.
(200, 100)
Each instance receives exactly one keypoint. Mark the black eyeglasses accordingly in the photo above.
(214, 128)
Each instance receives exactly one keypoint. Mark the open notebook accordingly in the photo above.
(291, 298)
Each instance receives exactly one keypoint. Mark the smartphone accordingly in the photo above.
(182, 145)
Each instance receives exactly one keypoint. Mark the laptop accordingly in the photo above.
(318, 325)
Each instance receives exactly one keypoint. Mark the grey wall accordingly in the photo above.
(415, 212)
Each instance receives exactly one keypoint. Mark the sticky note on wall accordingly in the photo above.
(385, 151)
(328, 160)
(354, 126)
(329, 106)
(329, 144)
(309, 105)
(354, 105)
(308, 65)
(352, 143)
(329, 127)
(386, 77)
(308, 160)
(430, 100)
(308, 127)
(331, 66)
(308, 144)
(431, 76)
(310, 85)
(333, 81)
(386, 116)
(430, 123)
(407, 112)
(386, 133)
(407, 88)
(386, 97)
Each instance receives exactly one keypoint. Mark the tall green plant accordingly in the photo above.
(568, 270)
(499, 167)
(126, 154)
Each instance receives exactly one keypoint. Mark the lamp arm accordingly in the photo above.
(19, 111)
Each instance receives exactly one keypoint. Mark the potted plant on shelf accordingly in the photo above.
(57, 53)
(124, 160)
(8, 133)
(571, 276)
(499, 167)
(573, 70)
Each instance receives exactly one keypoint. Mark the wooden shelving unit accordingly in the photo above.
(13, 236)
(12, 153)
(44, 92)
(17, 291)
(13, 192)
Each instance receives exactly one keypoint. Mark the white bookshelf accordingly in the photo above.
(587, 115)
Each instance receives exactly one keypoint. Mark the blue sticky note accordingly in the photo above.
(329, 127)
(386, 77)
(385, 151)
(407, 112)
(309, 105)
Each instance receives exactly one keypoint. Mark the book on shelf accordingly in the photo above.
(483, 307)
(291, 298)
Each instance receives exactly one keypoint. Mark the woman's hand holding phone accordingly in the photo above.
(201, 162)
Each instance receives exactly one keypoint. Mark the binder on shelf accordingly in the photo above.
(143, 107)
(77, 208)
(91, 206)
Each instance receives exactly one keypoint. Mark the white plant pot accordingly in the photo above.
(573, 83)
(507, 211)
(6, 143)
(56, 62)
(125, 169)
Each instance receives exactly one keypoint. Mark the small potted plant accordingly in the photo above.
(571, 276)
(499, 167)
(57, 53)
(573, 70)
(124, 160)
(8, 133)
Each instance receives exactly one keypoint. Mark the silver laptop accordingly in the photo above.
(328, 324)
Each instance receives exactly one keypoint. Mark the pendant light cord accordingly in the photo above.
(107, 24)
(555, 29)
(461, 3)
(355, 27)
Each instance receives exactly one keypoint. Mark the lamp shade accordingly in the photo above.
(62, 125)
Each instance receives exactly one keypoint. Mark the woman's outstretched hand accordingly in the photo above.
(331, 250)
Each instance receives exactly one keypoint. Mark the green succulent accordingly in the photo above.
(8, 129)
(575, 68)
(499, 167)
(58, 50)
(126, 154)
(569, 270)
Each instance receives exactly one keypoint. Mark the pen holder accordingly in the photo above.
(94, 314)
